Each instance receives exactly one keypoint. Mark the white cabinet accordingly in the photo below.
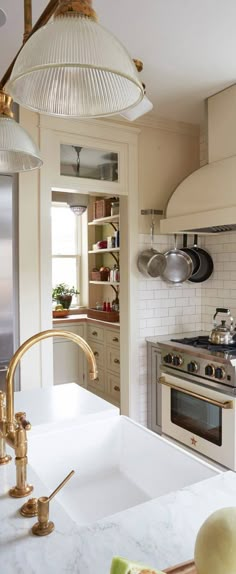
(69, 362)
(105, 343)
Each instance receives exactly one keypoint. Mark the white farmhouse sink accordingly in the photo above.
(118, 464)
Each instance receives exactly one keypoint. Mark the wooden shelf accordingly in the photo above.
(104, 282)
(112, 250)
(105, 220)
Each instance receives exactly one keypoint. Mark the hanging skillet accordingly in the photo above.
(150, 262)
(179, 266)
(206, 266)
(192, 253)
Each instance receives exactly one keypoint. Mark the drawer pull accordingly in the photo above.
(116, 388)
(94, 333)
(96, 354)
(115, 340)
(117, 361)
(96, 380)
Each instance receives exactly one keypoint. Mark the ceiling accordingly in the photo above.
(188, 46)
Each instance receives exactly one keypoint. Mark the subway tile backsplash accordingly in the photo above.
(166, 309)
(220, 289)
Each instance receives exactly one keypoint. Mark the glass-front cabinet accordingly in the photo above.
(89, 163)
(86, 164)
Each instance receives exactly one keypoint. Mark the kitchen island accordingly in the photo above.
(160, 532)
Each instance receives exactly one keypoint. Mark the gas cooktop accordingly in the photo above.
(203, 342)
(196, 356)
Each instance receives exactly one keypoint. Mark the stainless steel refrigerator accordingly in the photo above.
(8, 273)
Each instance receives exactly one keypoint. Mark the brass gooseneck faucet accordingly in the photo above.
(13, 427)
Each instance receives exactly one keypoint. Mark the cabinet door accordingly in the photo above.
(113, 386)
(95, 333)
(98, 386)
(113, 338)
(113, 359)
(69, 363)
(154, 388)
(99, 354)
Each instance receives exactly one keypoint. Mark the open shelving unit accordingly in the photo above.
(113, 219)
(114, 222)
(111, 250)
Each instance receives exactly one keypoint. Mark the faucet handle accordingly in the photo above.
(21, 420)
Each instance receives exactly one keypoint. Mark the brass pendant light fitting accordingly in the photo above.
(80, 7)
(5, 105)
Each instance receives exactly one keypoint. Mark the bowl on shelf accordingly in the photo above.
(60, 313)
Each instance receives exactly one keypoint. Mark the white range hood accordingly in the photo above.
(205, 202)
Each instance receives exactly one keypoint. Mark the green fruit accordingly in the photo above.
(121, 566)
(215, 547)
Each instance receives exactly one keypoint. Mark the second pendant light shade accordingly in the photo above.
(18, 152)
(73, 67)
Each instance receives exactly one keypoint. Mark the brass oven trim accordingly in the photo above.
(225, 405)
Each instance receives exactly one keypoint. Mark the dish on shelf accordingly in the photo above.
(60, 313)
(110, 316)
(101, 244)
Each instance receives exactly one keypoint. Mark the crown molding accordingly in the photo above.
(149, 120)
(153, 121)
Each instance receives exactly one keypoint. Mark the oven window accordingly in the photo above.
(197, 416)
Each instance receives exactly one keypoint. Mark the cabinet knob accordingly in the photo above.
(116, 388)
(115, 340)
(96, 354)
(94, 333)
(117, 361)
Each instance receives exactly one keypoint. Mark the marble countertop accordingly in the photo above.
(160, 533)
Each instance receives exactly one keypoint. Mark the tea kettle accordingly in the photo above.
(222, 334)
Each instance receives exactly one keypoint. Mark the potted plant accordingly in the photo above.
(62, 294)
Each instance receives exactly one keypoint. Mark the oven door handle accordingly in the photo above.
(225, 405)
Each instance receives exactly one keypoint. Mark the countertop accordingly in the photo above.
(160, 533)
(81, 318)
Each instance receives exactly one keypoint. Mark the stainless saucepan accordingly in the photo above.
(179, 266)
(151, 263)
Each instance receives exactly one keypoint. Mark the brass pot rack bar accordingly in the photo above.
(42, 20)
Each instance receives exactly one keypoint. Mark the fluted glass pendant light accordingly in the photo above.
(73, 67)
(17, 150)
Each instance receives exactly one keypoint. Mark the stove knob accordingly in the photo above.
(219, 373)
(192, 367)
(168, 359)
(209, 371)
(177, 361)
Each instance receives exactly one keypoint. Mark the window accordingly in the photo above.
(66, 247)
